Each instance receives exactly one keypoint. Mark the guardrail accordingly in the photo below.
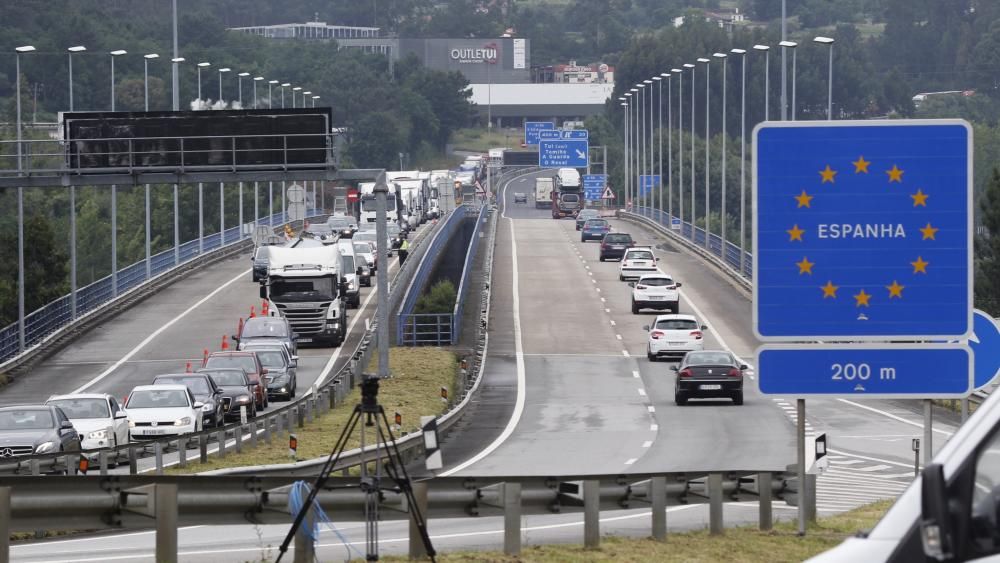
(42, 323)
(97, 503)
(427, 329)
(463, 286)
(730, 256)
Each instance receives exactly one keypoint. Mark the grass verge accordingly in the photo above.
(744, 543)
(413, 391)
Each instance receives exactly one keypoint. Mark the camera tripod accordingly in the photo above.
(370, 484)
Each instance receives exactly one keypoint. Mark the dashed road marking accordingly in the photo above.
(626, 354)
(607, 310)
(654, 427)
(632, 460)
(651, 408)
(635, 374)
(642, 392)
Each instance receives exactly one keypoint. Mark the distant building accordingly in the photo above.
(924, 96)
(510, 105)
(597, 73)
(309, 30)
(722, 19)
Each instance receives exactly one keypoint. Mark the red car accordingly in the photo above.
(249, 363)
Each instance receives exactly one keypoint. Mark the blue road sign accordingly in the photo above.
(647, 183)
(531, 129)
(863, 230)
(563, 153)
(593, 186)
(549, 134)
(985, 344)
(675, 223)
(873, 371)
(576, 134)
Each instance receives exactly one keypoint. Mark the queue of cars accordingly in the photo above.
(701, 373)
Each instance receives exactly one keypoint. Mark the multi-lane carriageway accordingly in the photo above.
(567, 389)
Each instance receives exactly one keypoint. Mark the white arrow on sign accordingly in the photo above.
(580, 154)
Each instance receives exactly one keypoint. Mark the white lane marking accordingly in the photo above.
(158, 332)
(618, 336)
(642, 392)
(631, 460)
(515, 416)
(892, 416)
(607, 310)
(336, 354)
(635, 374)
(654, 427)
(833, 451)
(590, 273)
(603, 300)
(597, 288)
(647, 444)
(651, 408)
(708, 323)
(626, 354)
(871, 468)
(593, 281)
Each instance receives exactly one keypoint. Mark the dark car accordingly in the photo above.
(594, 229)
(281, 380)
(520, 197)
(271, 330)
(260, 263)
(250, 364)
(205, 391)
(35, 429)
(584, 215)
(236, 391)
(343, 225)
(708, 374)
(321, 232)
(614, 245)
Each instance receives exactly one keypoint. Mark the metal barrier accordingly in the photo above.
(463, 286)
(53, 316)
(731, 256)
(427, 329)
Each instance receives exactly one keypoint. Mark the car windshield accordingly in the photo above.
(707, 359)
(640, 255)
(365, 237)
(319, 229)
(245, 363)
(339, 223)
(587, 213)
(35, 419)
(264, 327)
(677, 324)
(656, 282)
(570, 198)
(618, 238)
(83, 408)
(363, 248)
(271, 358)
(229, 378)
(302, 289)
(197, 385)
(152, 399)
(596, 223)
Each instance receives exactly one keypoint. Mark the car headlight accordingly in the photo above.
(183, 421)
(98, 435)
(207, 407)
(45, 447)
(352, 285)
(243, 400)
(131, 424)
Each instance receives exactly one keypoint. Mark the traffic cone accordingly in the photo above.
(253, 314)
(239, 328)
(263, 307)
(187, 369)
(204, 357)
(225, 342)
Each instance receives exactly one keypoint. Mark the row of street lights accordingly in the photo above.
(639, 142)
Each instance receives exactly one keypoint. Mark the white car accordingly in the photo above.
(637, 261)
(366, 250)
(157, 411)
(674, 335)
(655, 291)
(97, 417)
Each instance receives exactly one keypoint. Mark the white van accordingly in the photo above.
(567, 178)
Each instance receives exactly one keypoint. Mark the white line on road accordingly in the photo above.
(626, 354)
(654, 427)
(892, 416)
(833, 451)
(618, 336)
(651, 408)
(631, 460)
(613, 323)
(158, 332)
(642, 392)
(647, 444)
(607, 310)
(635, 373)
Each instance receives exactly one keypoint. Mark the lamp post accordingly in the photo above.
(659, 136)
(305, 94)
(634, 152)
(72, 50)
(680, 141)
(828, 41)
(256, 79)
(283, 86)
(649, 162)
(629, 165)
(743, 150)
(767, 79)
(114, 54)
(314, 98)
(221, 72)
(145, 75)
(201, 66)
(239, 86)
(641, 142)
(294, 90)
(176, 81)
(708, 137)
(722, 207)
(670, 158)
(790, 45)
(623, 99)
(784, 64)
(691, 164)
(20, 199)
(269, 84)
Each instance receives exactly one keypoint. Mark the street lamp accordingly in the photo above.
(691, 164)
(659, 129)
(283, 86)
(789, 45)
(629, 184)
(294, 90)
(767, 79)
(176, 96)
(708, 137)
(201, 66)
(625, 152)
(314, 98)
(221, 72)
(304, 95)
(743, 150)
(113, 55)
(680, 142)
(145, 75)
(269, 84)
(72, 50)
(640, 141)
(20, 199)
(239, 86)
(256, 79)
(669, 176)
(828, 41)
(722, 211)
(649, 163)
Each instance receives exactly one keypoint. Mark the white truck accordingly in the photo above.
(543, 192)
(306, 285)
(367, 191)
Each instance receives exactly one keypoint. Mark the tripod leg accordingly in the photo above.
(331, 462)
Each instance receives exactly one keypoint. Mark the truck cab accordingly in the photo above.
(306, 286)
(368, 203)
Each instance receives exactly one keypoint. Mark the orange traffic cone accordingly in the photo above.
(263, 307)
(204, 357)
(225, 342)
(187, 369)
(253, 314)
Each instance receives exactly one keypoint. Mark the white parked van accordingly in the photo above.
(567, 178)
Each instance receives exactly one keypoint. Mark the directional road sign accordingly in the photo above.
(563, 153)
(675, 223)
(576, 134)
(593, 186)
(863, 230)
(872, 371)
(647, 183)
(985, 344)
(531, 129)
(548, 134)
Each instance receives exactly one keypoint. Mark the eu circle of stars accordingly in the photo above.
(875, 243)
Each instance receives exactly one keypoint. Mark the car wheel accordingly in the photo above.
(650, 356)
(621, 277)
(738, 398)
(635, 308)
(601, 258)
(680, 398)
(675, 308)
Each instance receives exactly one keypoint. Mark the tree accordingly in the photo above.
(378, 139)
(440, 298)
(988, 249)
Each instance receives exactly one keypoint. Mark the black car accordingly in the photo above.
(281, 377)
(260, 263)
(585, 214)
(34, 429)
(707, 374)
(205, 391)
(614, 245)
(520, 197)
(236, 391)
(268, 330)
